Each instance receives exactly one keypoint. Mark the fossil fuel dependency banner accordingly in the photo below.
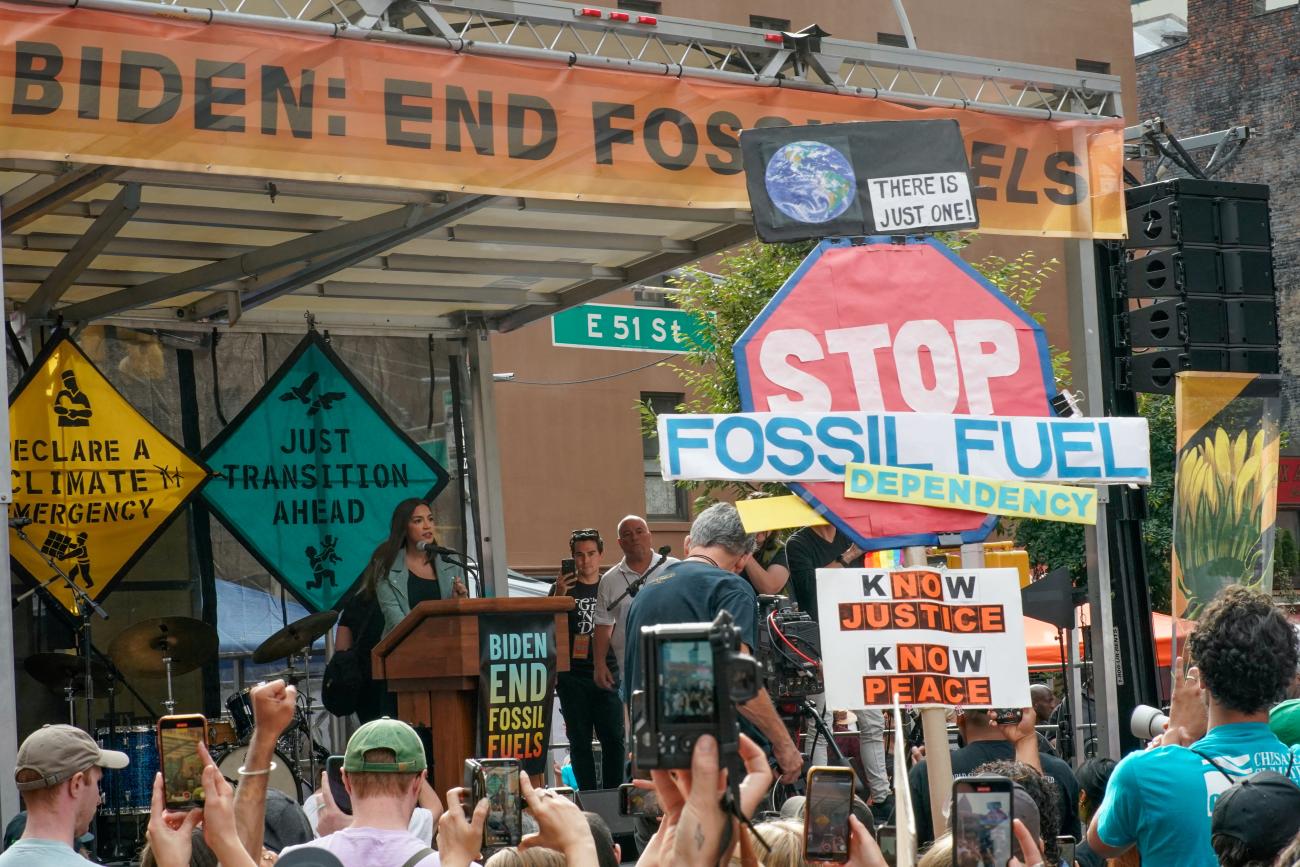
(93, 86)
(926, 636)
(517, 671)
(95, 480)
(309, 473)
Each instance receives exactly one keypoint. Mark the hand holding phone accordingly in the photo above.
(826, 831)
(983, 808)
(179, 738)
(338, 791)
(567, 578)
(497, 782)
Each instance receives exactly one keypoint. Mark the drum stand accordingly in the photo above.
(86, 609)
(170, 701)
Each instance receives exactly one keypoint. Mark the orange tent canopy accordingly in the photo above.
(1043, 651)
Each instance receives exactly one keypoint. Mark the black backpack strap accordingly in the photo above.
(1231, 779)
(418, 857)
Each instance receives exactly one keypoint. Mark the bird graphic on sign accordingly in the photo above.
(303, 394)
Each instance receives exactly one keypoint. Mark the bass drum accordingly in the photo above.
(282, 776)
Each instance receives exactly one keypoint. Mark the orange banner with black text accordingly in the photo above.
(106, 87)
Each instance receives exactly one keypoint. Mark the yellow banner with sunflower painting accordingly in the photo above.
(1225, 485)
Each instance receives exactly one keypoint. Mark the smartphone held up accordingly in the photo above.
(497, 782)
(826, 830)
(181, 763)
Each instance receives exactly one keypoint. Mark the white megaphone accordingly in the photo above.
(1147, 722)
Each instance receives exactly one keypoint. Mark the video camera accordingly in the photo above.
(789, 649)
(694, 675)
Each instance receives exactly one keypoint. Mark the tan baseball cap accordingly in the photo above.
(56, 752)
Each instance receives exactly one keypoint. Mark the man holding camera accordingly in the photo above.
(696, 590)
(586, 704)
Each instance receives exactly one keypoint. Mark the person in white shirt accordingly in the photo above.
(617, 587)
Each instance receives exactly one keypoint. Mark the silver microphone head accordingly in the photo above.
(422, 545)
(1147, 722)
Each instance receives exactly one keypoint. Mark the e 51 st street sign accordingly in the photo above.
(639, 329)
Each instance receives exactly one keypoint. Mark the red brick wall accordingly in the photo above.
(1242, 66)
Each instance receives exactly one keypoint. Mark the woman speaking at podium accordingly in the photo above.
(405, 570)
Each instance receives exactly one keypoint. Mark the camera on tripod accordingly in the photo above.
(694, 676)
(789, 649)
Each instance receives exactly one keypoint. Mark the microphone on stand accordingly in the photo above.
(455, 557)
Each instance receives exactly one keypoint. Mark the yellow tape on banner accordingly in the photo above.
(1073, 505)
(777, 513)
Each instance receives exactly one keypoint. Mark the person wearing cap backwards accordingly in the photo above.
(1255, 820)
(1161, 800)
(58, 774)
(383, 771)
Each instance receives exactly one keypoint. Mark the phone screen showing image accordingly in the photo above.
(887, 840)
(826, 823)
(504, 826)
(982, 813)
(182, 766)
(1067, 845)
(638, 802)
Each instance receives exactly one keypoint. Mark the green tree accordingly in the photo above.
(1053, 544)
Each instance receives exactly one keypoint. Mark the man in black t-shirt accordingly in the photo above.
(585, 705)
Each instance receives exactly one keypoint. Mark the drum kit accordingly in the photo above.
(167, 647)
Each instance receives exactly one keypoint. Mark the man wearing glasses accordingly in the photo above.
(586, 705)
(640, 565)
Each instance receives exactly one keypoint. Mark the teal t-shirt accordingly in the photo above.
(1162, 799)
(42, 853)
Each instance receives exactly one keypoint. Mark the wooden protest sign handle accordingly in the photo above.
(934, 726)
(938, 761)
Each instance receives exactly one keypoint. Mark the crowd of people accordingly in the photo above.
(1220, 786)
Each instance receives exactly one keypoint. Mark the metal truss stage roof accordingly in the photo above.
(167, 249)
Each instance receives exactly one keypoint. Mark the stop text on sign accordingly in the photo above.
(818, 446)
(933, 367)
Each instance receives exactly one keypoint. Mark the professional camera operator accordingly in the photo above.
(696, 590)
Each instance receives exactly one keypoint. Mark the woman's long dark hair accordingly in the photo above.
(386, 552)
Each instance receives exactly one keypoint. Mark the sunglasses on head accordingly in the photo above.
(584, 535)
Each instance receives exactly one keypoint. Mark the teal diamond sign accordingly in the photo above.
(309, 473)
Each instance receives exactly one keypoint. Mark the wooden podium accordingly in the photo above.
(431, 662)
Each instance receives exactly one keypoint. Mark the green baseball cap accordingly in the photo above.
(385, 734)
(1284, 720)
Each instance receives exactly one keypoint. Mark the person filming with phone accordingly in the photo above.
(585, 704)
(696, 590)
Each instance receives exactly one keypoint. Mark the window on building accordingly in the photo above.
(896, 39)
(649, 7)
(767, 22)
(664, 501)
(1270, 5)
(1099, 67)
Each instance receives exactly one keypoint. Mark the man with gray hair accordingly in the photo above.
(695, 591)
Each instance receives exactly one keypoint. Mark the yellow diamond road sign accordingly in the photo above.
(97, 480)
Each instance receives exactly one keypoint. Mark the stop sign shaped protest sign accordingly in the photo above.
(892, 327)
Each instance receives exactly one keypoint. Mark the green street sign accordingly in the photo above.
(309, 473)
(639, 329)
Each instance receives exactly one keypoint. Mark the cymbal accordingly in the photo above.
(57, 670)
(297, 636)
(141, 648)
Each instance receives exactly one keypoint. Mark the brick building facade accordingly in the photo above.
(1241, 65)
